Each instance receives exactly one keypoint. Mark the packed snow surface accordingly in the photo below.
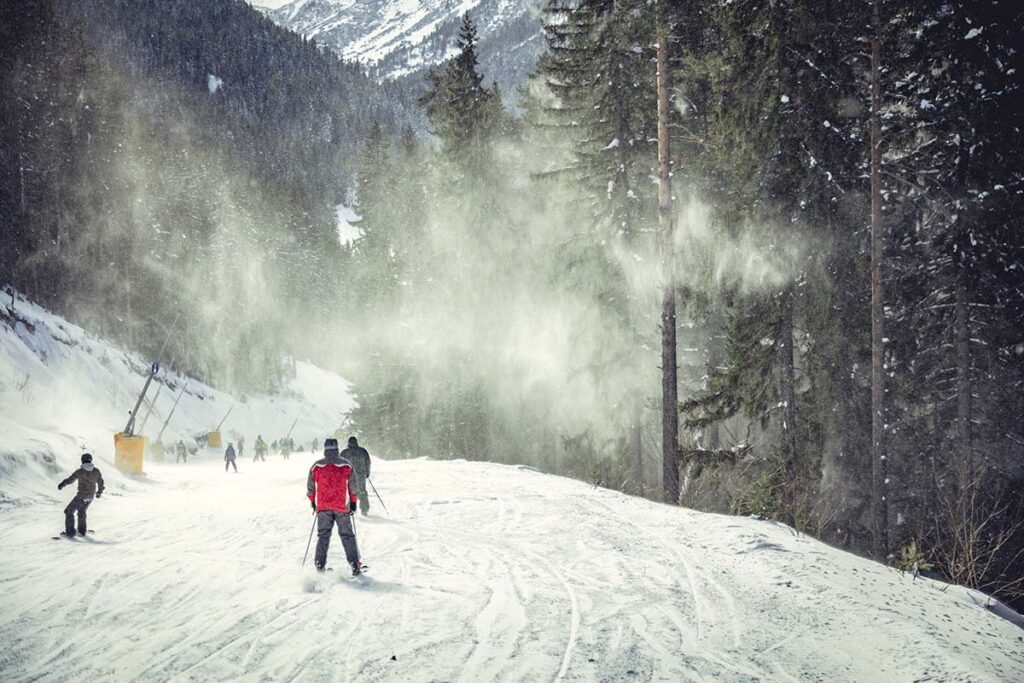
(479, 572)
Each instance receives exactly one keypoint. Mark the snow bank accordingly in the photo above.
(64, 391)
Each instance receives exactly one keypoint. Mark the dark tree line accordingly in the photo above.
(772, 168)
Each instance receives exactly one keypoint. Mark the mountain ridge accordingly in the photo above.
(403, 39)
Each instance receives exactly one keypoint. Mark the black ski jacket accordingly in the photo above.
(90, 481)
(360, 459)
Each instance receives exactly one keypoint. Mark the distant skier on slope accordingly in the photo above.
(182, 453)
(261, 449)
(360, 459)
(334, 501)
(241, 447)
(229, 457)
(286, 448)
(90, 484)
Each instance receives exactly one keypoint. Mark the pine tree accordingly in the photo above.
(463, 113)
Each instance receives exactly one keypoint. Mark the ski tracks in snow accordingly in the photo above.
(484, 572)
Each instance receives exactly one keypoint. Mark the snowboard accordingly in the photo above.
(64, 536)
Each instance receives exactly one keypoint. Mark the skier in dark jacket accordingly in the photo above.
(182, 453)
(334, 501)
(360, 459)
(90, 484)
(229, 457)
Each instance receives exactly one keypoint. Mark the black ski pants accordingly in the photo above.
(325, 521)
(181, 458)
(230, 462)
(78, 504)
(364, 499)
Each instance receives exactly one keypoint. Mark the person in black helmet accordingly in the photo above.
(360, 459)
(90, 485)
(229, 458)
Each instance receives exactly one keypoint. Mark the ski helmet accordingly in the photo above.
(86, 457)
(353, 441)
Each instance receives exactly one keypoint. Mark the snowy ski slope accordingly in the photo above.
(481, 572)
(64, 390)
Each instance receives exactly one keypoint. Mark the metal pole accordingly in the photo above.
(129, 428)
(152, 404)
(378, 496)
(168, 420)
(225, 416)
(310, 541)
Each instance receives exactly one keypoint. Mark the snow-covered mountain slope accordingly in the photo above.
(63, 391)
(404, 37)
(479, 573)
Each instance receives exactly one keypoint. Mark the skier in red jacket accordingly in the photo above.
(334, 501)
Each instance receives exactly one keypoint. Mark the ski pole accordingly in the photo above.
(352, 519)
(378, 496)
(310, 541)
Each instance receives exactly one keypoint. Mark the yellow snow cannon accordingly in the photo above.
(129, 452)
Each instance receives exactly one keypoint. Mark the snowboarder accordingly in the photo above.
(229, 457)
(333, 501)
(182, 452)
(360, 459)
(261, 449)
(90, 484)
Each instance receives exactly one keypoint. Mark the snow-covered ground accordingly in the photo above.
(64, 391)
(479, 572)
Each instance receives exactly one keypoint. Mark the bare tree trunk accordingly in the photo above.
(963, 370)
(669, 387)
(636, 449)
(879, 477)
(787, 393)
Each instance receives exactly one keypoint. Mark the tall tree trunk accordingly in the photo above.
(787, 394)
(715, 360)
(879, 479)
(669, 387)
(636, 448)
(963, 370)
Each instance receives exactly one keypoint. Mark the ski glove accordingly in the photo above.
(99, 493)
(312, 505)
(60, 486)
(351, 506)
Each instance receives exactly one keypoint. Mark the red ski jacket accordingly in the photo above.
(327, 484)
